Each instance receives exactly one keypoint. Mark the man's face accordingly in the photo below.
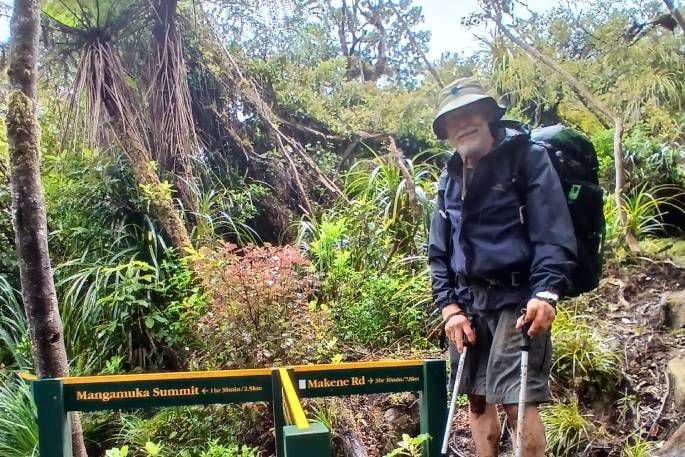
(468, 130)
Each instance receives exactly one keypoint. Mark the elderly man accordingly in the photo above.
(501, 240)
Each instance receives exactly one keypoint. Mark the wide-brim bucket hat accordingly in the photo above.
(458, 94)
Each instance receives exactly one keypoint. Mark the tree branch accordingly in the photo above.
(675, 13)
(416, 47)
(590, 101)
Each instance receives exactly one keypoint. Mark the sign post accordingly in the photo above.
(433, 405)
(54, 426)
(55, 398)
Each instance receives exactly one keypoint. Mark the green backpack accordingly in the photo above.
(575, 161)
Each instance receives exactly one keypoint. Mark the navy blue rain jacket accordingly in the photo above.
(515, 244)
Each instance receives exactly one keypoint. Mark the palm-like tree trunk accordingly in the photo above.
(172, 128)
(29, 218)
(110, 88)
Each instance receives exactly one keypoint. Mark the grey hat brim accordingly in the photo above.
(461, 102)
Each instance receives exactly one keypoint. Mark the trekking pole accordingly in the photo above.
(453, 402)
(525, 347)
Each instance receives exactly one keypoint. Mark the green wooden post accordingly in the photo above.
(313, 441)
(54, 426)
(434, 405)
(277, 406)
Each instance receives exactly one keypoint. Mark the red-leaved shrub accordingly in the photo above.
(259, 312)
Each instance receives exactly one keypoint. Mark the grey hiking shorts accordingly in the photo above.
(493, 366)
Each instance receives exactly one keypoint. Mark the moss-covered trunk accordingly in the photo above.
(29, 218)
(161, 204)
(117, 98)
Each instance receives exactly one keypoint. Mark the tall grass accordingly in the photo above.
(582, 358)
(15, 349)
(637, 447)
(380, 223)
(645, 207)
(223, 208)
(132, 301)
(568, 431)
(18, 426)
(380, 182)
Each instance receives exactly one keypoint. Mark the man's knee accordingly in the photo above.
(477, 404)
(513, 410)
(512, 414)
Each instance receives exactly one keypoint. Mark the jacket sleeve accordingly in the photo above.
(442, 276)
(550, 228)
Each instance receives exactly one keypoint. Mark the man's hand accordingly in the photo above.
(458, 327)
(541, 315)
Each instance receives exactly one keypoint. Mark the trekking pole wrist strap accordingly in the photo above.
(451, 316)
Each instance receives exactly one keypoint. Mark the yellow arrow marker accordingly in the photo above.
(296, 411)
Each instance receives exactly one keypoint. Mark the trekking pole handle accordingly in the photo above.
(524, 331)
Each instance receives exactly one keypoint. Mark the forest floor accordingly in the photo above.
(627, 307)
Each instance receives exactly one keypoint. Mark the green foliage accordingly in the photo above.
(650, 161)
(8, 260)
(375, 310)
(117, 452)
(380, 183)
(224, 212)
(326, 412)
(189, 431)
(528, 89)
(603, 141)
(379, 224)
(89, 199)
(370, 307)
(365, 254)
(638, 447)
(645, 209)
(79, 16)
(613, 231)
(121, 291)
(145, 309)
(150, 449)
(408, 446)
(568, 431)
(15, 347)
(642, 81)
(322, 92)
(215, 449)
(18, 427)
(647, 159)
(582, 357)
(672, 249)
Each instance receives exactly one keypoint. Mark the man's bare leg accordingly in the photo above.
(533, 429)
(484, 426)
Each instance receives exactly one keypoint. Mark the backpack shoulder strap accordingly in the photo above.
(519, 176)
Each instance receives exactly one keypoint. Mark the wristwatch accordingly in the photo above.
(550, 297)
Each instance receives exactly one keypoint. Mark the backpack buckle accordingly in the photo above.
(522, 217)
(492, 282)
